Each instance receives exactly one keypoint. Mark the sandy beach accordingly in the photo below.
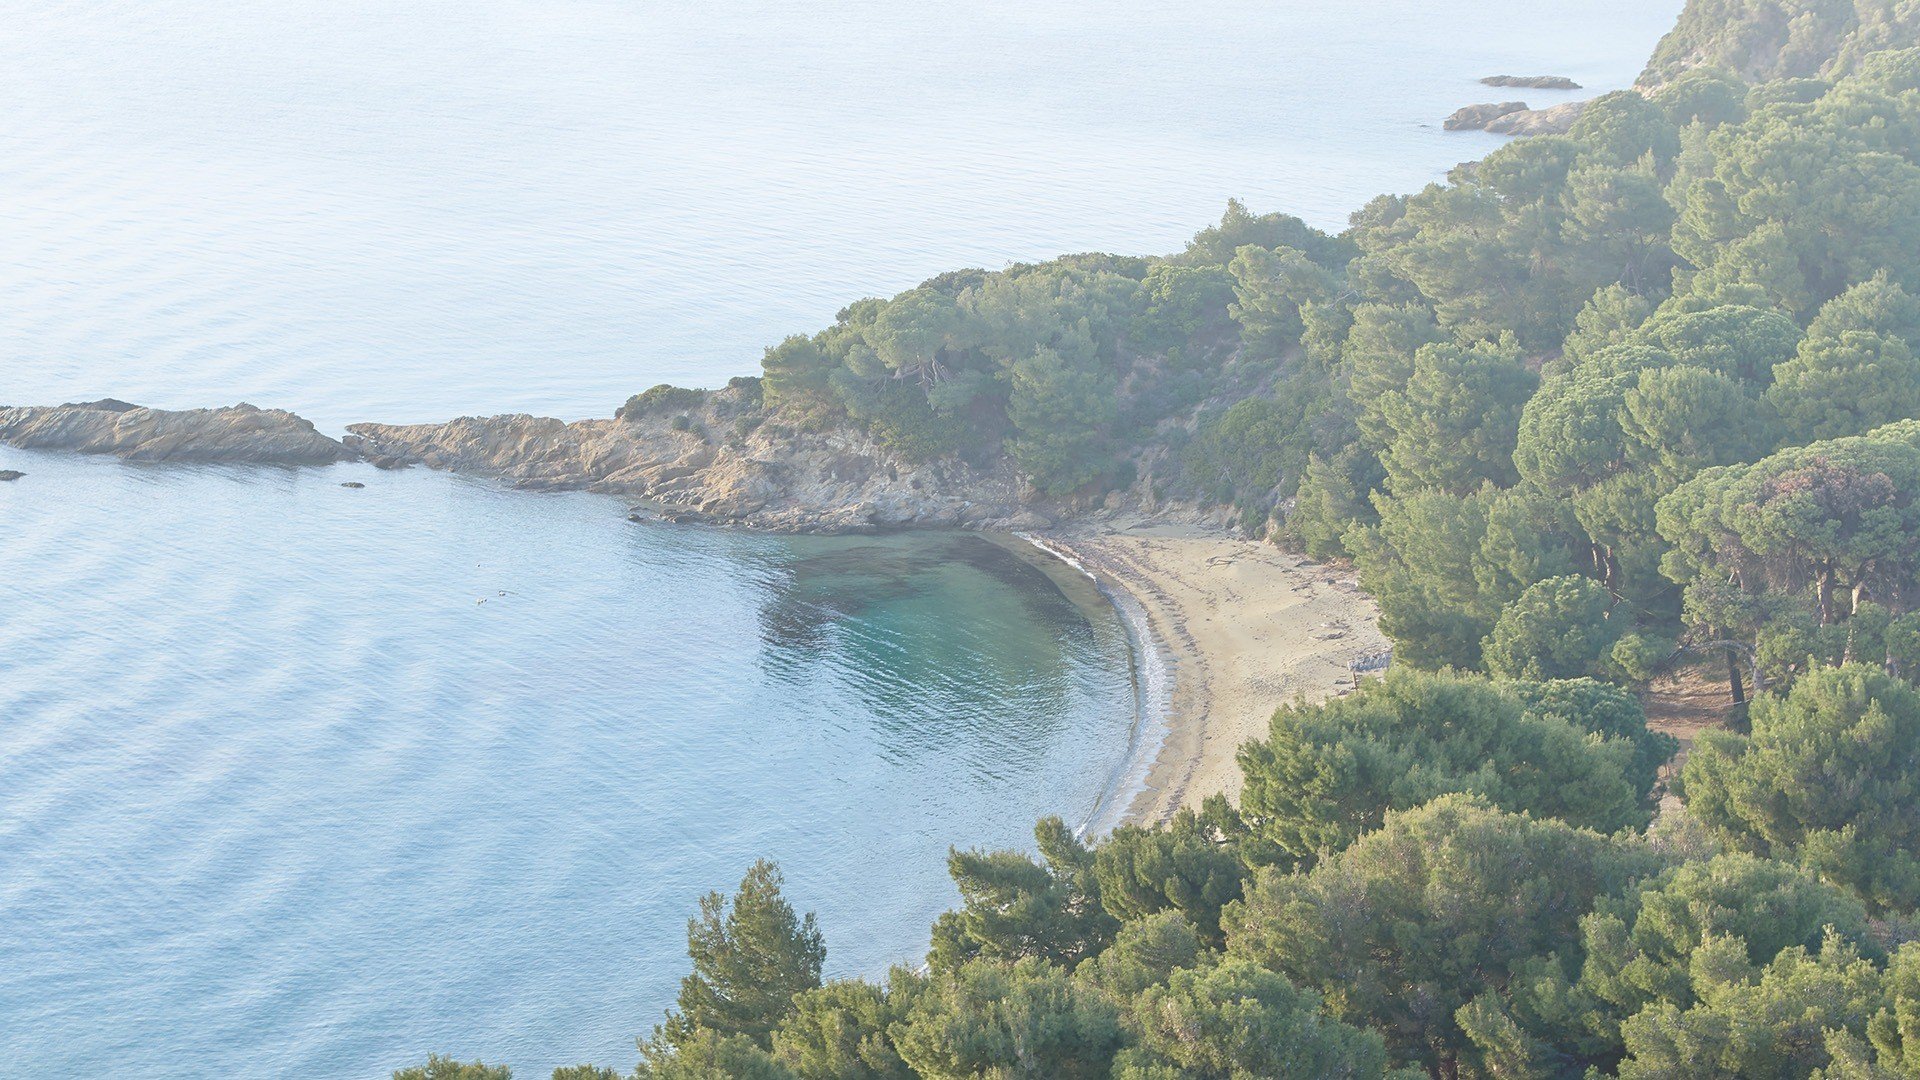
(1245, 627)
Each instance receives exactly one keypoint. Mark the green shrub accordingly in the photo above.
(661, 399)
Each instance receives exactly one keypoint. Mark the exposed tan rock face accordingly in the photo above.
(1532, 82)
(1557, 120)
(1477, 117)
(713, 467)
(236, 433)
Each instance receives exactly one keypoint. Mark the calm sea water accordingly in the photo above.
(280, 795)
(297, 780)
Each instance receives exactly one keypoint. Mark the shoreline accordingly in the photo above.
(1150, 670)
(1241, 627)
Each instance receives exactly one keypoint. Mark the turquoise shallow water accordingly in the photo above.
(278, 795)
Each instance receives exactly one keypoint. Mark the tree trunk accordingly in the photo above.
(1604, 565)
(1824, 590)
(1734, 684)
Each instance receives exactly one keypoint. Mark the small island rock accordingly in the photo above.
(237, 433)
(1532, 82)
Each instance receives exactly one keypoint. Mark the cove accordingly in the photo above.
(304, 780)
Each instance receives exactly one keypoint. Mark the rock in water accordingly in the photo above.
(1532, 82)
(10, 474)
(353, 484)
(238, 433)
(1477, 117)
(1557, 120)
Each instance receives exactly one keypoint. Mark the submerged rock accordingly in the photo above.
(10, 474)
(353, 484)
(1532, 82)
(1477, 117)
(237, 433)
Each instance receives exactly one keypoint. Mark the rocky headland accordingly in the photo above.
(719, 459)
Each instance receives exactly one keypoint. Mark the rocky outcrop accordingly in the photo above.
(1532, 82)
(1477, 117)
(1557, 120)
(720, 462)
(1514, 118)
(238, 433)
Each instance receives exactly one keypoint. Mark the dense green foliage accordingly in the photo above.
(1063, 365)
(1779, 39)
(750, 957)
(1328, 773)
(660, 399)
(1597, 404)
(1237, 1019)
(439, 1068)
(1829, 777)
(1442, 905)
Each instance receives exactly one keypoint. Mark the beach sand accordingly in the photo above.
(1246, 628)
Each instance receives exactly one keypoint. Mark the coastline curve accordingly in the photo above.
(1224, 630)
(1151, 667)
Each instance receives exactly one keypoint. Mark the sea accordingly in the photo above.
(301, 780)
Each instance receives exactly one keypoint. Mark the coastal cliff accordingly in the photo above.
(720, 461)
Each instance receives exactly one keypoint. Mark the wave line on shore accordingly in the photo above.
(1152, 676)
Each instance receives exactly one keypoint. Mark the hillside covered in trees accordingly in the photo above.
(1645, 393)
